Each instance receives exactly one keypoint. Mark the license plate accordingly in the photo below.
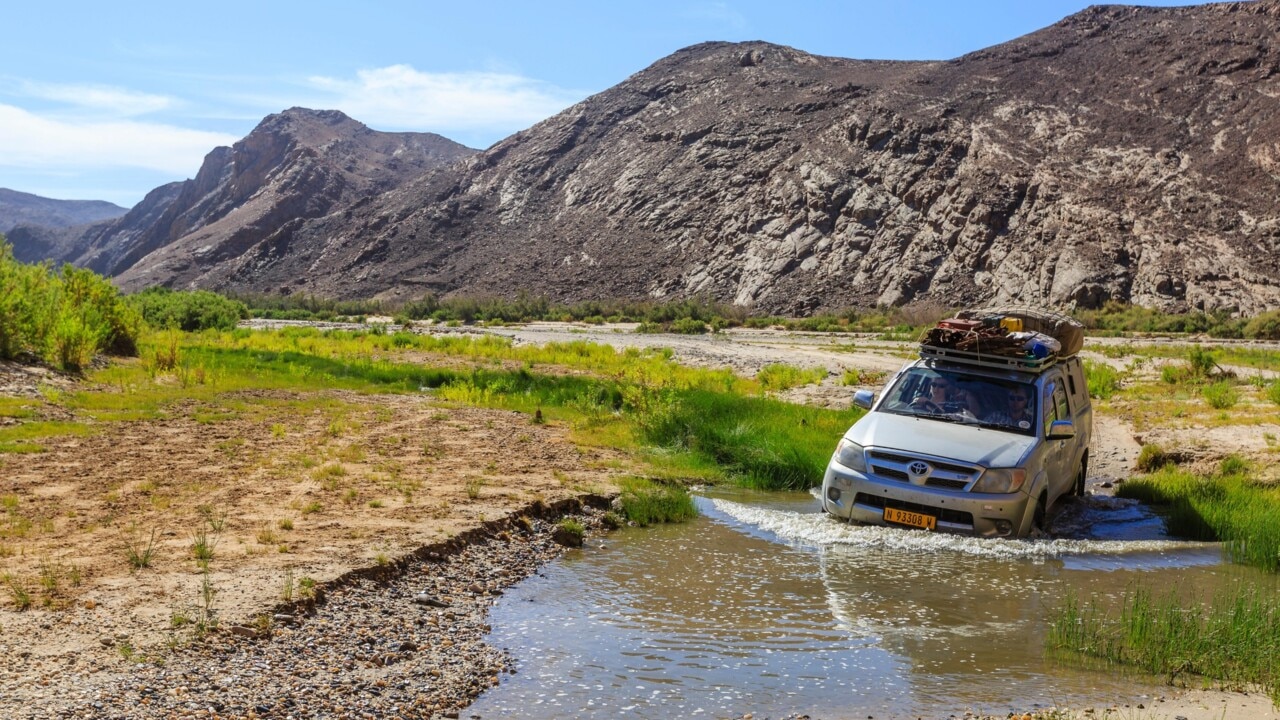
(914, 519)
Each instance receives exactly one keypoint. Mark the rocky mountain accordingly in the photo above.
(1124, 152)
(295, 165)
(19, 208)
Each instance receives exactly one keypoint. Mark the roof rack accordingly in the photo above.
(988, 360)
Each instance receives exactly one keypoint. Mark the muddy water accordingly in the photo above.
(764, 605)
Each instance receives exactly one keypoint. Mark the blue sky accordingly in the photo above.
(107, 101)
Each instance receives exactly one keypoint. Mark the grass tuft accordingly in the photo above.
(645, 502)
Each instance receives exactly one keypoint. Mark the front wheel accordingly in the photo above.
(1077, 487)
(1038, 519)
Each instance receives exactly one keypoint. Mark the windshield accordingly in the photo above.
(953, 396)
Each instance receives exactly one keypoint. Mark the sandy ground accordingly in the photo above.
(317, 488)
(293, 488)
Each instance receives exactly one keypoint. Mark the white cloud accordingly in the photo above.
(114, 101)
(32, 141)
(400, 96)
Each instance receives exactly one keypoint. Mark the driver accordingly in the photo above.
(942, 396)
(934, 399)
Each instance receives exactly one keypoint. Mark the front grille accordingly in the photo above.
(906, 459)
(890, 473)
(943, 515)
(945, 475)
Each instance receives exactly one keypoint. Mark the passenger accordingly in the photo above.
(1017, 413)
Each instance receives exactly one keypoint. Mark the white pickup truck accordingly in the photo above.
(966, 442)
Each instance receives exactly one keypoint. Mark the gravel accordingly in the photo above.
(401, 641)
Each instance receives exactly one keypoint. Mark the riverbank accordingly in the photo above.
(402, 640)
(153, 556)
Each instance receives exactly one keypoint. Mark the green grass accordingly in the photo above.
(758, 442)
(1227, 507)
(1234, 639)
(778, 377)
(645, 502)
(1221, 395)
(1103, 380)
(1249, 357)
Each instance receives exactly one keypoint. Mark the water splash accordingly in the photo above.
(820, 529)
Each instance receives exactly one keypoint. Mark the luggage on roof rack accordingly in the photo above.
(1013, 339)
(1066, 330)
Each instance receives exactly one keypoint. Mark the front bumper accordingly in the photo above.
(863, 498)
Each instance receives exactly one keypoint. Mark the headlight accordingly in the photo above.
(849, 454)
(1000, 480)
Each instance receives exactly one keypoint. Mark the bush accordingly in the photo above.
(1103, 380)
(1273, 392)
(1221, 395)
(688, 326)
(779, 377)
(1264, 327)
(65, 317)
(192, 310)
(1201, 362)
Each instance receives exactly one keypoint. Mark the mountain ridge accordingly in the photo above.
(20, 208)
(1122, 153)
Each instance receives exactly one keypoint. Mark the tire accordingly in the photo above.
(1077, 487)
(1037, 520)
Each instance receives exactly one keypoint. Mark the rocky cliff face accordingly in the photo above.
(295, 165)
(1128, 153)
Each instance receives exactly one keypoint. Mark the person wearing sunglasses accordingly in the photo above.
(1017, 413)
(943, 397)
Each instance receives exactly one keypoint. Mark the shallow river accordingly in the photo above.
(764, 605)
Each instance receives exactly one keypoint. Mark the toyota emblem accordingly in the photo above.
(918, 468)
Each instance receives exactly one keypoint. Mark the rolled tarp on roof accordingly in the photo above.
(1066, 330)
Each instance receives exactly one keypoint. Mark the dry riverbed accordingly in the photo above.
(405, 515)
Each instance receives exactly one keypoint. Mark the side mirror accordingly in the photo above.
(864, 399)
(1061, 430)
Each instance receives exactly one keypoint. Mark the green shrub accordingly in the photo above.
(64, 316)
(189, 310)
(779, 376)
(569, 532)
(1173, 374)
(1103, 380)
(1273, 392)
(1264, 327)
(1200, 362)
(1221, 395)
(1232, 637)
(1151, 458)
(1230, 508)
(688, 326)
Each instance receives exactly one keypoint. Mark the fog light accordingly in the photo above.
(1003, 527)
(833, 494)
